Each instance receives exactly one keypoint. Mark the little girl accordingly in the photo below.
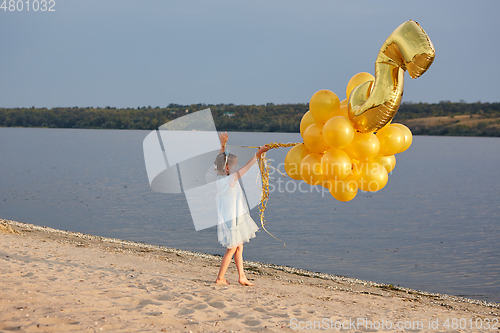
(235, 226)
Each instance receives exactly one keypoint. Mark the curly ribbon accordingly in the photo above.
(264, 167)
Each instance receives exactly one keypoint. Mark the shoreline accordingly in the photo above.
(418, 132)
(286, 293)
(247, 264)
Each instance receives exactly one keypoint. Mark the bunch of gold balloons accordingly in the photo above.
(350, 145)
(337, 156)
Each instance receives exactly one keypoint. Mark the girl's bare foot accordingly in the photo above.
(221, 281)
(244, 281)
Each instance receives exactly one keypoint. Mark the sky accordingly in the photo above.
(123, 53)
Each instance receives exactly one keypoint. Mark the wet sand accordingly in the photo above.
(59, 281)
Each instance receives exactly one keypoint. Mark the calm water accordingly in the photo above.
(434, 227)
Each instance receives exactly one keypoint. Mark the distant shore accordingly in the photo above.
(56, 280)
(441, 119)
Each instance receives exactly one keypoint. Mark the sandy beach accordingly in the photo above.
(60, 281)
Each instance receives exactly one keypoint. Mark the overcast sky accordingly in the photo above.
(126, 53)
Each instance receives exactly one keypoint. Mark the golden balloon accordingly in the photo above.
(324, 104)
(344, 190)
(370, 176)
(389, 162)
(336, 164)
(338, 132)
(392, 140)
(306, 121)
(293, 159)
(408, 136)
(355, 81)
(407, 48)
(313, 138)
(344, 111)
(364, 146)
(311, 170)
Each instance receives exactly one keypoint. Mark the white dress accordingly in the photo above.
(235, 225)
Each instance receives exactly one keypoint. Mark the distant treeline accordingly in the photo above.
(484, 118)
(258, 118)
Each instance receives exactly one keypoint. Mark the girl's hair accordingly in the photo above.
(222, 160)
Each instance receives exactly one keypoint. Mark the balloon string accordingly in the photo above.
(264, 166)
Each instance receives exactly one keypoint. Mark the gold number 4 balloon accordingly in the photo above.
(373, 104)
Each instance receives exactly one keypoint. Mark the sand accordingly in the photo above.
(57, 281)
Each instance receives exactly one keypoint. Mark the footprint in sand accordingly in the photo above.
(165, 297)
(251, 322)
(217, 304)
(156, 284)
(183, 312)
(279, 315)
(153, 313)
(145, 302)
(260, 310)
(200, 307)
(233, 314)
(28, 274)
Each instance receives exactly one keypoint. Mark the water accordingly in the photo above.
(434, 227)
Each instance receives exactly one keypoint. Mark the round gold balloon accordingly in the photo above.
(373, 104)
(408, 136)
(343, 190)
(364, 146)
(311, 170)
(336, 164)
(293, 159)
(338, 132)
(344, 111)
(356, 80)
(343, 102)
(306, 121)
(341, 111)
(389, 162)
(392, 140)
(324, 104)
(313, 138)
(370, 176)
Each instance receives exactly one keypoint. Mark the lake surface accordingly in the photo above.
(434, 227)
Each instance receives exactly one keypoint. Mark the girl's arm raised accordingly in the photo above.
(223, 137)
(238, 174)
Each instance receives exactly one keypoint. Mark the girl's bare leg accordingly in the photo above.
(226, 260)
(238, 260)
